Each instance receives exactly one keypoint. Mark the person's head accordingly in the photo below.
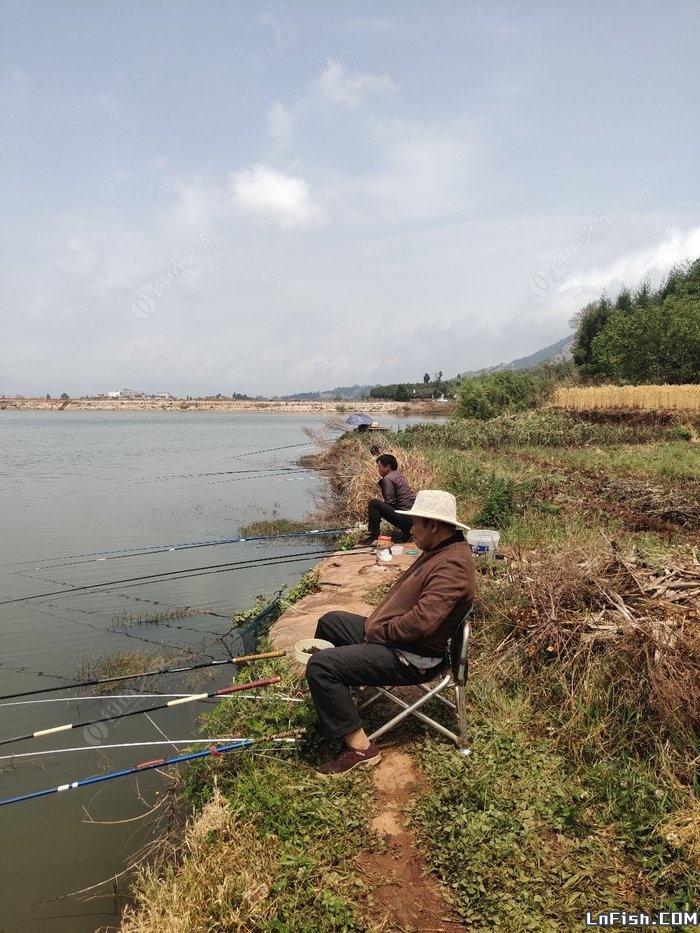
(428, 532)
(386, 463)
(434, 515)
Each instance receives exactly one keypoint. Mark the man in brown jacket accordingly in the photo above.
(397, 499)
(404, 641)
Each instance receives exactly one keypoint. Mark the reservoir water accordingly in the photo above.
(74, 484)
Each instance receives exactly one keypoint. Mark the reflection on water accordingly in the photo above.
(73, 484)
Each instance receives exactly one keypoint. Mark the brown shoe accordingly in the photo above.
(349, 759)
(367, 541)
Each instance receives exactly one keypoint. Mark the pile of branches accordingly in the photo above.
(607, 614)
(678, 506)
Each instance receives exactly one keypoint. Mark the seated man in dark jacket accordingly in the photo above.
(397, 497)
(405, 639)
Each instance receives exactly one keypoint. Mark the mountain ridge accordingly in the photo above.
(555, 352)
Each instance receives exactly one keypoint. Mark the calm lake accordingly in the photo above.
(75, 484)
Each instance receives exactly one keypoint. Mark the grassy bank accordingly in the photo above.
(269, 844)
(582, 789)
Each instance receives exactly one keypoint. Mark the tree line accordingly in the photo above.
(647, 336)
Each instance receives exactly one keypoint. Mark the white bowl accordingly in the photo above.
(299, 649)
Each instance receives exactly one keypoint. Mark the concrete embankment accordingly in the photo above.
(273, 406)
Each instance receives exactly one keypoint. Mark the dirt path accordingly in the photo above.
(406, 894)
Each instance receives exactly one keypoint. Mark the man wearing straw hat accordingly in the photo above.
(404, 641)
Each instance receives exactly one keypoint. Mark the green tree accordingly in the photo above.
(589, 323)
(426, 378)
(654, 343)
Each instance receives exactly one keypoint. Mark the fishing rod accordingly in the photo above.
(183, 574)
(102, 697)
(148, 549)
(97, 681)
(190, 698)
(213, 752)
(267, 450)
(101, 748)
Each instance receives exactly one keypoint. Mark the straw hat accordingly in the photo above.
(436, 504)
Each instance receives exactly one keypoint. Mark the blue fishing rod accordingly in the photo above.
(213, 752)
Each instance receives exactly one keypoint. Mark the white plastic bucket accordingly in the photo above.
(301, 648)
(483, 540)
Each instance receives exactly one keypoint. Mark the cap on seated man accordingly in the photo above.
(404, 641)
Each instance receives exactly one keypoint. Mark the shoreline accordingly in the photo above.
(237, 406)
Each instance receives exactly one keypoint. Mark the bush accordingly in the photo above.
(497, 504)
(493, 394)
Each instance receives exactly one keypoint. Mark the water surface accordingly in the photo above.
(83, 482)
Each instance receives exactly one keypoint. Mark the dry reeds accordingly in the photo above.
(221, 880)
(351, 471)
(609, 624)
(611, 397)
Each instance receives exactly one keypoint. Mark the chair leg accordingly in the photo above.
(448, 703)
(462, 719)
(373, 699)
(411, 709)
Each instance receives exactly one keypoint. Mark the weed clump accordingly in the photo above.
(497, 504)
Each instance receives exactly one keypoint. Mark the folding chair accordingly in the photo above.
(455, 678)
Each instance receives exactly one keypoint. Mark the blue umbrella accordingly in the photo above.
(359, 418)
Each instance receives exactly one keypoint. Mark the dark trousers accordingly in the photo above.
(378, 509)
(353, 663)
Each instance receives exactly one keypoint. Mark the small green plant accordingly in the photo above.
(497, 503)
(307, 584)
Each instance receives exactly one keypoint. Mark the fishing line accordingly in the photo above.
(146, 549)
(190, 698)
(97, 681)
(214, 751)
(174, 575)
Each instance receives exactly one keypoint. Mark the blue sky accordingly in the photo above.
(266, 198)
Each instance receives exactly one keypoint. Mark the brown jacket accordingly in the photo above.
(396, 490)
(425, 605)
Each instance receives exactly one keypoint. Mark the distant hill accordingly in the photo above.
(348, 393)
(555, 352)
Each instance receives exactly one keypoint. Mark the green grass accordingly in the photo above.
(528, 839)
(274, 526)
(298, 833)
(666, 460)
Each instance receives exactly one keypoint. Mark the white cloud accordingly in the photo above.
(270, 195)
(654, 261)
(337, 85)
(18, 76)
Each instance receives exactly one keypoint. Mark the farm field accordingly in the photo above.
(644, 397)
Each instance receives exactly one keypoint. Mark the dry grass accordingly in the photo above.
(220, 883)
(682, 831)
(604, 623)
(352, 475)
(647, 398)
